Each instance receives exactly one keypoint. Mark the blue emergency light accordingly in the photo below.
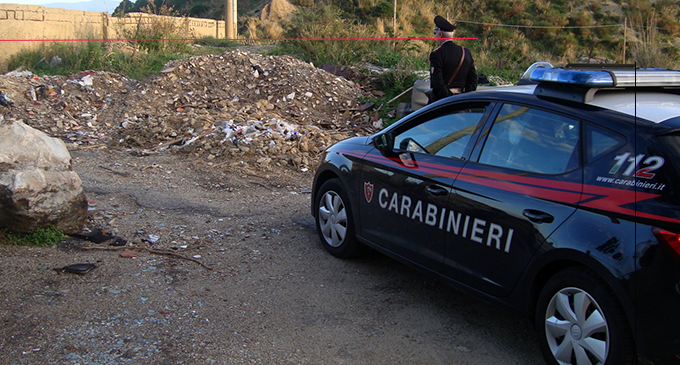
(573, 77)
(604, 78)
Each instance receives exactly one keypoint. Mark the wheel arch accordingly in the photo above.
(329, 173)
(577, 278)
(562, 259)
(319, 180)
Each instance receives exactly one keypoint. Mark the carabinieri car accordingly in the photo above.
(556, 197)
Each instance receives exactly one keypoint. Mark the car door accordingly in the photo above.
(408, 183)
(522, 183)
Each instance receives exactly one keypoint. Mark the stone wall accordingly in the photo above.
(29, 26)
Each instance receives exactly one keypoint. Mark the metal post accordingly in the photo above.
(625, 29)
(394, 19)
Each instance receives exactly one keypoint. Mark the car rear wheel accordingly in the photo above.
(579, 322)
(334, 221)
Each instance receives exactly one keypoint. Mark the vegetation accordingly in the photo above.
(61, 58)
(162, 35)
(149, 47)
(41, 237)
(505, 36)
(308, 28)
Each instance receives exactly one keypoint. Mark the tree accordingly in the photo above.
(123, 7)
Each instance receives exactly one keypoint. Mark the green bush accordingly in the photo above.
(40, 237)
(61, 58)
(397, 79)
(384, 9)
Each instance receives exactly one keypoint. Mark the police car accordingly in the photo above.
(556, 197)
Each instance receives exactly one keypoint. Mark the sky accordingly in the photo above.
(88, 5)
(36, 2)
(43, 2)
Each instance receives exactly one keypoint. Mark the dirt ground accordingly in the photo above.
(253, 285)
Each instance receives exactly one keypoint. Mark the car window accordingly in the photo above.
(532, 140)
(444, 135)
(600, 140)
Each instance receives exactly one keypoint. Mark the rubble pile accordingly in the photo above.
(246, 109)
(67, 107)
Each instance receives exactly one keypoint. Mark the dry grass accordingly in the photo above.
(499, 49)
(647, 49)
(273, 29)
(380, 26)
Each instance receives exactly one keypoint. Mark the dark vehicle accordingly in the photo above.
(555, 197)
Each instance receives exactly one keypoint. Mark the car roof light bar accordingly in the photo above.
(647, 78)
(526, 76)
(618, 78)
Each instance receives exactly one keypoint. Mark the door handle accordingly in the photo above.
(538, 216)
(437, 190)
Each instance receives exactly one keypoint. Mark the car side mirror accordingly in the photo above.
(384, 142)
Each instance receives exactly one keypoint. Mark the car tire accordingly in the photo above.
(334, 220)
(579, 321)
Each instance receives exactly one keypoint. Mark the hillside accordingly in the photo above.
(505, 34)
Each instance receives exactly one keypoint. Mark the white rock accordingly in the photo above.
(38, 187)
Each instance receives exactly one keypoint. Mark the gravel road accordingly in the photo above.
(230, 271)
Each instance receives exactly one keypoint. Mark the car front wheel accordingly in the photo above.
(334, 220)
(579, 322)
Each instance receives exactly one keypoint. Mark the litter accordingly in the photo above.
(5, 100)
(96, 235)
(80, 269)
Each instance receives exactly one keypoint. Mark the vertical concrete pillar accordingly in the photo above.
(231, 19)
(106, 23)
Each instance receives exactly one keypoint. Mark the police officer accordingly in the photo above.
(452, 69)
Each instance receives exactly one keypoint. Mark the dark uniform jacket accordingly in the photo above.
(443, 63)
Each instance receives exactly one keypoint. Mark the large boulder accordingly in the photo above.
(38, 187)
(277, 10)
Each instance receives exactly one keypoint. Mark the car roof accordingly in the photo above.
(651, 104)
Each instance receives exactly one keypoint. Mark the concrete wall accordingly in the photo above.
(29, 26)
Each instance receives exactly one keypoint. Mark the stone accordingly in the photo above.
(38, 187)
(129, 254)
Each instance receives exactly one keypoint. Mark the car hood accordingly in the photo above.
(362, 140)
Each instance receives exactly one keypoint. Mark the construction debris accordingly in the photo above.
(238, 109)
